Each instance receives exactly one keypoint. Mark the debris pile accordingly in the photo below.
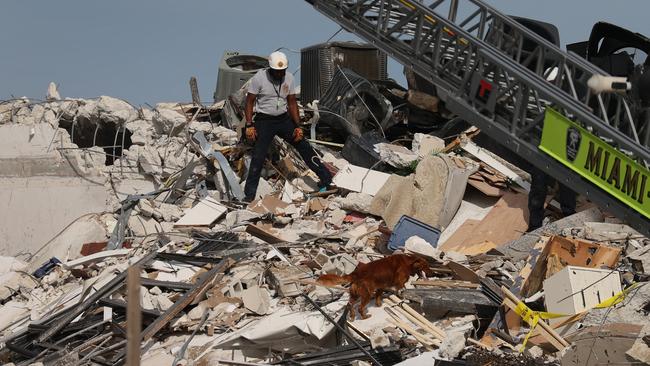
(140, 235)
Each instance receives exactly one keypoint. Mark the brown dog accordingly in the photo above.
(372, 279)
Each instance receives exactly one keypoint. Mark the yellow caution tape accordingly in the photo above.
(532, 317)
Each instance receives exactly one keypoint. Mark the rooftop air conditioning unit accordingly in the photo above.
(234, 71)
(321, 61)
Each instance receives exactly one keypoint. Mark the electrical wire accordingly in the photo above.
(602, 323)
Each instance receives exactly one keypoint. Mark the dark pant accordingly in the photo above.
(266, 131)
(537, 197)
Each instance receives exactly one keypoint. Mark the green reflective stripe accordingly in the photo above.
(595, 160)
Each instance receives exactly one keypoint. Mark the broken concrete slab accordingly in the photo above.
(142, 132)
(144, 227)
(287, 279)
(641, 259)
(133, 186)
(452, 344)
(12, 311)
(291, 193)
(425, 358)
(285, 329)
(640, 350)
(602, 231)
(113, 110)
(395, 155)
(11, 264)
(68, 243)
(167, 212)
(168, 121)
(13, 282)
(224, 136)
(336, 217)
(105, 110)
(354, 201)
(605, 345)
(257, 299)
(633, 310)
(340, 264)
(146, 208)
(36, 182)
(239, 217)
(424, 145)
(148, 159)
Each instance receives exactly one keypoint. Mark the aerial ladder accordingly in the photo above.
(552, 108)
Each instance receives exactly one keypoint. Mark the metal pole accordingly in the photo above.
(345, 332)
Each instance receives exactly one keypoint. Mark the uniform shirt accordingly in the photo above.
(271, 98)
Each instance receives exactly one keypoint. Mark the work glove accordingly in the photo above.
(251, 133)
(297, 134)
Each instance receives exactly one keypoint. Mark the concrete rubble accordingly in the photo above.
(222, 281)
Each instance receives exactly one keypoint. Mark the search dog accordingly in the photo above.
(372, 279)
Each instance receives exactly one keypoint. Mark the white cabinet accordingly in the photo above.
(575, 289)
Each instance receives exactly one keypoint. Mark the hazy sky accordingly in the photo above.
(145, 51)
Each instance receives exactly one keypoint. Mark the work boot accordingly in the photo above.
(324, 187)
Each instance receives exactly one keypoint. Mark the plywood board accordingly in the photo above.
(475, 206)
(464, 234)
(506, 221)
(204, 213)
(358, 179)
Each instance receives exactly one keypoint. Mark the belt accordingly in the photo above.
(270, 117)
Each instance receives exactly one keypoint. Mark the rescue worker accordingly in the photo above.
(271, 94)
(537, 197)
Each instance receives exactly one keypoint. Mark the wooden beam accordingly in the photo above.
(133, 316)
(206, 281)
(545, 330)
(416, 317)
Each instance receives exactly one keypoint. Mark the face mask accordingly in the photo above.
(276, 76)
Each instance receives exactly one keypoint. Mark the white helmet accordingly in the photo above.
(278, 61)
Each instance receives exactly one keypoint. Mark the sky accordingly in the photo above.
(145, 51)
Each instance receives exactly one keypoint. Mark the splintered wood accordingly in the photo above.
(398, 309)
(560, 252)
